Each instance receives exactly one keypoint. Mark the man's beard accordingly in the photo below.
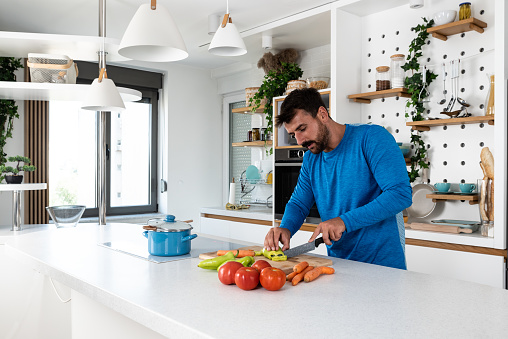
(322, 141)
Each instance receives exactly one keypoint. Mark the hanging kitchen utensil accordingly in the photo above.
(443, 74)
(424, 94)
(450, 103)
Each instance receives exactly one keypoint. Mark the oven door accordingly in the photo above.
(286, 178)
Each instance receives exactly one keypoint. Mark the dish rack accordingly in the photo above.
(248, 186)
(52, 68)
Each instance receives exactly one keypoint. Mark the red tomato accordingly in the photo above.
(227, 272)
(247, 278)
(272, 278)
(260, 264)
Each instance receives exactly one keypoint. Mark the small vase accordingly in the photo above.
(14, 179)
(489, 101)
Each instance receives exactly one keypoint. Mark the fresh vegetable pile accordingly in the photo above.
(239, 267)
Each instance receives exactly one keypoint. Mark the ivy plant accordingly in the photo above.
(415, 86)
(8, 108)
(274, 85)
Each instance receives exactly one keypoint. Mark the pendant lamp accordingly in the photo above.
(152, 35)
(103, 95)
(227, 40)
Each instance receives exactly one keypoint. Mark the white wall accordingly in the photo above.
(193, 161)
(313, 62)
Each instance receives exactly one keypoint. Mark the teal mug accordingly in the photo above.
(467, 188)
(442, 186)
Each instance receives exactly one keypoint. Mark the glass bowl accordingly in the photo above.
(66, 215)
(318, 82)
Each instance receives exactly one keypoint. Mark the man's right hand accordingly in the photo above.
(276, 235)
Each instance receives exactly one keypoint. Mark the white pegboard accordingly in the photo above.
(453, 151)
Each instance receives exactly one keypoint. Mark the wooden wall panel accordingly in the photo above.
(36, 120)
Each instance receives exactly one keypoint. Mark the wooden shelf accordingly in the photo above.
(252, 143)
(427, 124)
(441, 32)
(472, 198)
(290, 146)
(365, 98)
(248, 110)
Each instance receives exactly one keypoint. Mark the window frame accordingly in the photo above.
(149, 84)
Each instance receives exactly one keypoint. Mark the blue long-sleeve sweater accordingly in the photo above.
(363, 181)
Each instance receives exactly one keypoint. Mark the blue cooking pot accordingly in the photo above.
(171, 238)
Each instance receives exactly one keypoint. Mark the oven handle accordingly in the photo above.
(288, 164)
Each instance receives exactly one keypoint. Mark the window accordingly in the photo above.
(131, 156)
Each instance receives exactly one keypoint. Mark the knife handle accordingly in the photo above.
(318, 241)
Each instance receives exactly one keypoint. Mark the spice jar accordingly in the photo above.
(464, 10)
(256, 135)
(397, 73)
(263, 134)
(382, 78)
(249, 136)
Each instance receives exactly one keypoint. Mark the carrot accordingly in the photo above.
(312, 275)
(290, 276)
(299, 276)
(298, 268)
(241, 253)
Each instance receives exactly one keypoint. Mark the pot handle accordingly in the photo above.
(145, 234)
(189, 237)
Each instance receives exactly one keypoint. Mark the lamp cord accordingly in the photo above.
(56, 292)
(227, 6)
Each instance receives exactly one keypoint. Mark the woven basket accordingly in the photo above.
(250, 92)
(52, 68)
(295, 84)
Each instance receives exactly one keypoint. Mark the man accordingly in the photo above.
(357, 177)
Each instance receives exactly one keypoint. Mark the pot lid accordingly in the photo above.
(169, 224)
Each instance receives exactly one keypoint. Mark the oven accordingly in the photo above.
(288, 162)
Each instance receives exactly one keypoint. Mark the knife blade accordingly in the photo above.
(293, 252)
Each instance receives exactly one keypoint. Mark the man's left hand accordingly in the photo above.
(331, 229)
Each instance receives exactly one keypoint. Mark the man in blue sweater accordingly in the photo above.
(357, 177)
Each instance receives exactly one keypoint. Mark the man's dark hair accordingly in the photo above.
(307, 99)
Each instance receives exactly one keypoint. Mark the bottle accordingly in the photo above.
(382, 78)
(489, 101)
(398, 75)
(464, 10)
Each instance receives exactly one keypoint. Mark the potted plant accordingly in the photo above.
(21, 166)
(8, 108)
(274, 85)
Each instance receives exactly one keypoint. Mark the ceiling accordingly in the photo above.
(81, 17)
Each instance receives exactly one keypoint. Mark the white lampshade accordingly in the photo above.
(152, 35)
(103, 96)
(227, 41)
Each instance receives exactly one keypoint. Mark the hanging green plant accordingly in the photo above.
(416, 88)
(274, 85)
(8, 108)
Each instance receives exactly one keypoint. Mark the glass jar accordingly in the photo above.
(382, 78)
(464, 10)
(398, 75)
(256, 135)
(249, 136)
(263, 134)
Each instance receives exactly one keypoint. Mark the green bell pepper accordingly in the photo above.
(214, 263)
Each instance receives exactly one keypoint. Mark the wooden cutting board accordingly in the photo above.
(438, 228)
(286, 266)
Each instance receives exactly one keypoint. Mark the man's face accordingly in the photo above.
(309, 132)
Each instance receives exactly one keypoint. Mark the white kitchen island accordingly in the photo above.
(125, 295)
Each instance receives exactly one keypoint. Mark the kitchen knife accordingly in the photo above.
(293, 252)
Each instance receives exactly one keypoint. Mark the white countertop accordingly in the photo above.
(178, 299)
(254, 212)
